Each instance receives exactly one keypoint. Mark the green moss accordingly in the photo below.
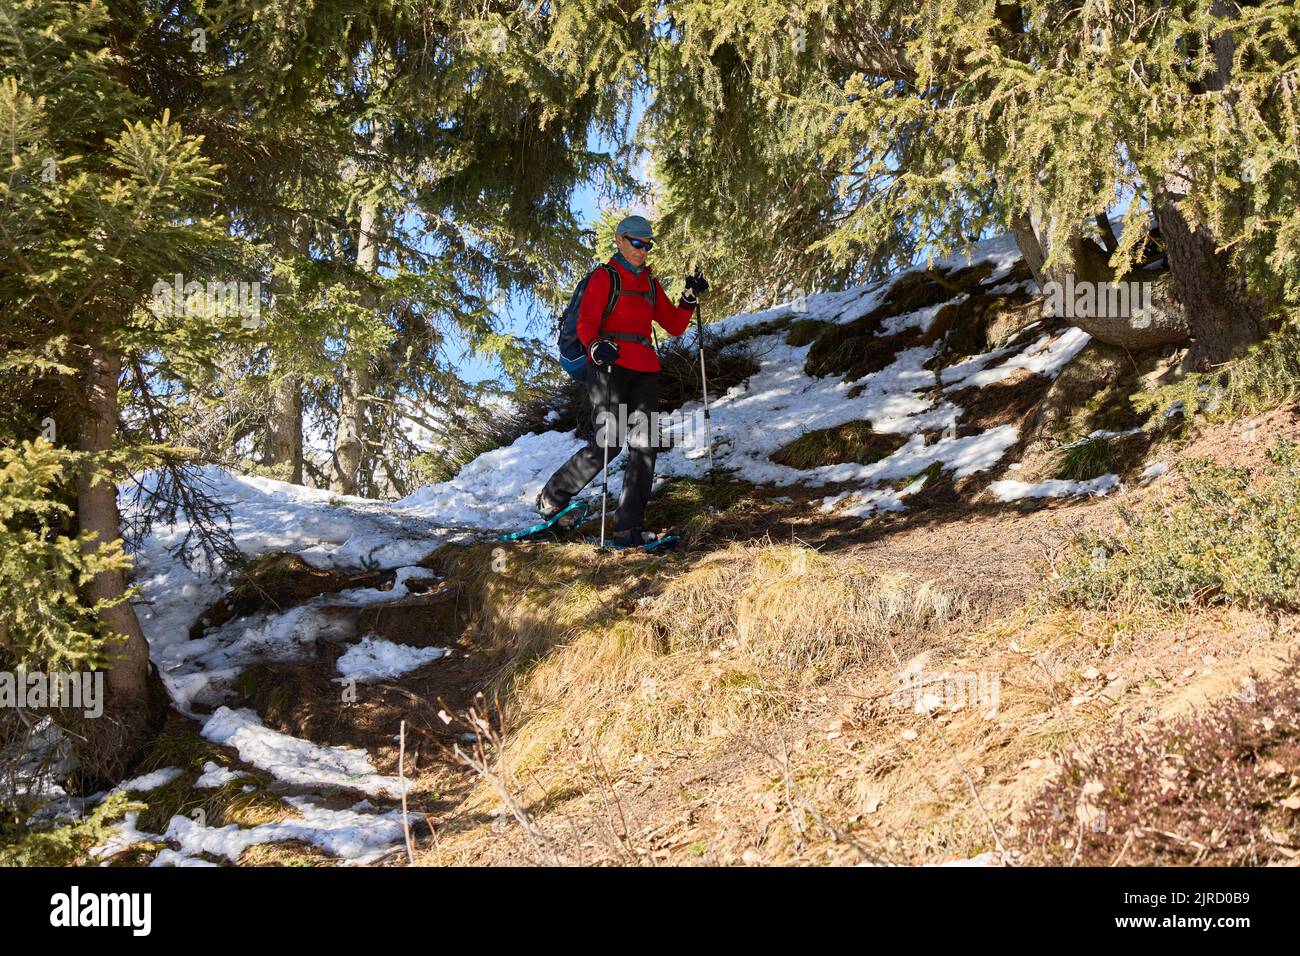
(220, 805)
(930, 472)
(806, 331)
(851, 442)
(276, 701)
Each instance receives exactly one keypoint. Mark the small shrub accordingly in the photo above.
(1233, 540)
(1267, 377)
(1202, 790)
(679, 381)
(68, 844)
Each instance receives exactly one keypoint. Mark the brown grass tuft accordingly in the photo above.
(594, 650)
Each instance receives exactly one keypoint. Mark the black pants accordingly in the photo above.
(624, 406)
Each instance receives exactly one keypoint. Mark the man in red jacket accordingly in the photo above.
(623, 376)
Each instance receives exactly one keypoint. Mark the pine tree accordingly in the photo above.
(95, 203)
(916, 127)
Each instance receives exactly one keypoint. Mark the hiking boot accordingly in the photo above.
(577, 511)
(632, 538)
(547, 508)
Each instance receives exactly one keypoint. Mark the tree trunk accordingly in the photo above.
(1082, 257)
(1225, 320)
(348, 445)
(349, 441)
(1147, 325)
(284, 428)
(284, 418)
(134, 703)
(1031, 247)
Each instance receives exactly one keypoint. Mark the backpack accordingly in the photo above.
(573, 356)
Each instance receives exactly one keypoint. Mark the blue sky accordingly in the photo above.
(474, 368)
(586, 206)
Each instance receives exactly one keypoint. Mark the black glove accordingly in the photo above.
(602, 353)
(695, 286)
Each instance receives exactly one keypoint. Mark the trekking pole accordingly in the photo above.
(704, 382)
(604, 487)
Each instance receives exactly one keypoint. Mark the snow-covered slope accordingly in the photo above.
(495, 492)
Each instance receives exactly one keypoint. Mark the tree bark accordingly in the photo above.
(1224, 318)
(349, 440)
(1030, 246)
(284, 417)
(134, 704)
(1161, 324)
(284, 427)
(1082, 256)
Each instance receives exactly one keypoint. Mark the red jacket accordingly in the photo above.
(632, 314)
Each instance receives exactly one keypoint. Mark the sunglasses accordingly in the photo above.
(646, 244)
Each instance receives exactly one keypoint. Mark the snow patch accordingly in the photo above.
(1154, 471)
(214, 775)
(150, 781)
(296, 761)
(359, 837)
(374, 659)
(1008, 490)
(1047, 356)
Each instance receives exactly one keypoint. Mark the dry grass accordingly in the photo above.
(934, 785)
(609, 655)
(1214, 788)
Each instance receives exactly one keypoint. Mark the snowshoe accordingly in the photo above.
(565, 519)
(638, 540)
